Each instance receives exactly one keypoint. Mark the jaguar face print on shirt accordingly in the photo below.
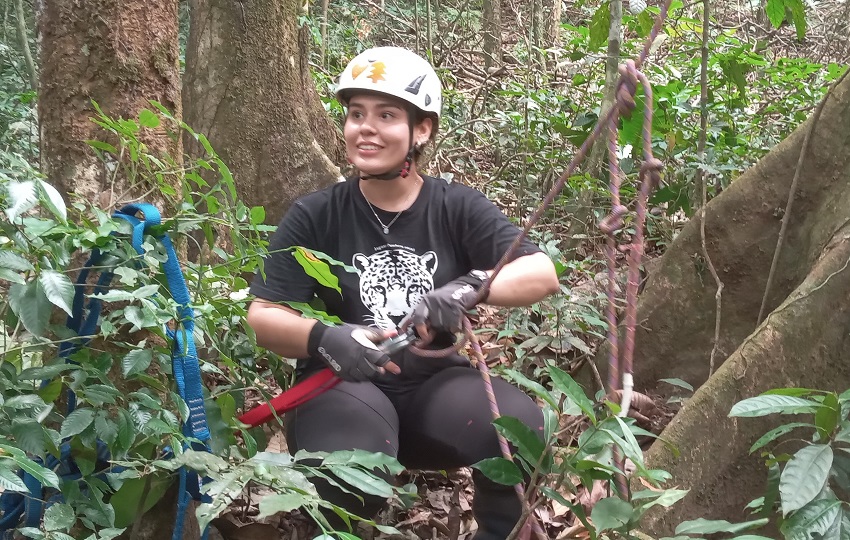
(392, 281)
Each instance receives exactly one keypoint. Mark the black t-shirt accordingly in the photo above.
(449, 230)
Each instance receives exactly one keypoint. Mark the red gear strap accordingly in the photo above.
(302, 392)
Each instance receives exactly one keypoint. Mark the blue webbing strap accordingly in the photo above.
(185, 366)
(184, 356)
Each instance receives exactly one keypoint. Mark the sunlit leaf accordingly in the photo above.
(771, 404)
(804, 476)
(13, 261)
(77, 422)
(148, 119)
(54, 201)
(280, 502)
(23, 196)
(316, 268)
(58, 288)
(58, 517)
(711, 526)
(363, 481)
(812, 520)
(136, 361)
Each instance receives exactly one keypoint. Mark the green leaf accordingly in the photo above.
(58, 288)
(45, 476)
(665, 498)
(136, 361)
(798, 16)
(804, 476)
(30, 437)
(53, 201)
(711, 526)
(775, 433)
(12, 276)
(23, 196)
(280, 502)
(529, 443)
(77, 422)
(573, 391)
(600, 24)
(45, 372)
(148, 119)
(13, 261)
(840, 528)
(31, 306)
(10, 481)
(611, 514)
(258, 215)
(362, 480)
(367, 460)
(771, 404)
(316, 268)
(114, 295)
(813, 520)
(100, 145)
(775, 10)
(59, 517)
(678, 382)
(827, 416)
(500, 470)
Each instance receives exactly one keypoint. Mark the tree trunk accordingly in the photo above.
(596, 165)
(119, 54)
(492, 33)
(248, 88)
(553, 27)
(803, 342)
(537, 32)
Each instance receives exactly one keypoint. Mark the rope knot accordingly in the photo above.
(652, 166)
(627, 88)
(613, 222)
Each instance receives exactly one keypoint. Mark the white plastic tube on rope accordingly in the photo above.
(628, 390)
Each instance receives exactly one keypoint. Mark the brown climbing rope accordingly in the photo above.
(620, 380)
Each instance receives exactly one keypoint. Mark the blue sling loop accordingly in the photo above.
(185, 367)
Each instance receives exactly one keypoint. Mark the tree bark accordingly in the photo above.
(248, 88)
(553, 27)
(803, 342)
(596, 161)
(492, 33)
(119, 54)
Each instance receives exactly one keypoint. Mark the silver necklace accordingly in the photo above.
(386, 227)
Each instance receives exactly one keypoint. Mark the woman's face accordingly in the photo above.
(377, 132)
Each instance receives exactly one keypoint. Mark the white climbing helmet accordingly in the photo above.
(396, 72)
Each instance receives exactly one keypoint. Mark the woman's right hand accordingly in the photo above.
(350, 351)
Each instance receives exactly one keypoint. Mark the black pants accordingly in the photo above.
(441, 422)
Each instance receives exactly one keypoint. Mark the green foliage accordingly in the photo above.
(556, 469)
(810, 485)
(125, 394)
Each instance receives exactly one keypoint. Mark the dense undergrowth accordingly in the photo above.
(509, 132)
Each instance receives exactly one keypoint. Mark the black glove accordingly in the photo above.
(347, 350)
(443, 308)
